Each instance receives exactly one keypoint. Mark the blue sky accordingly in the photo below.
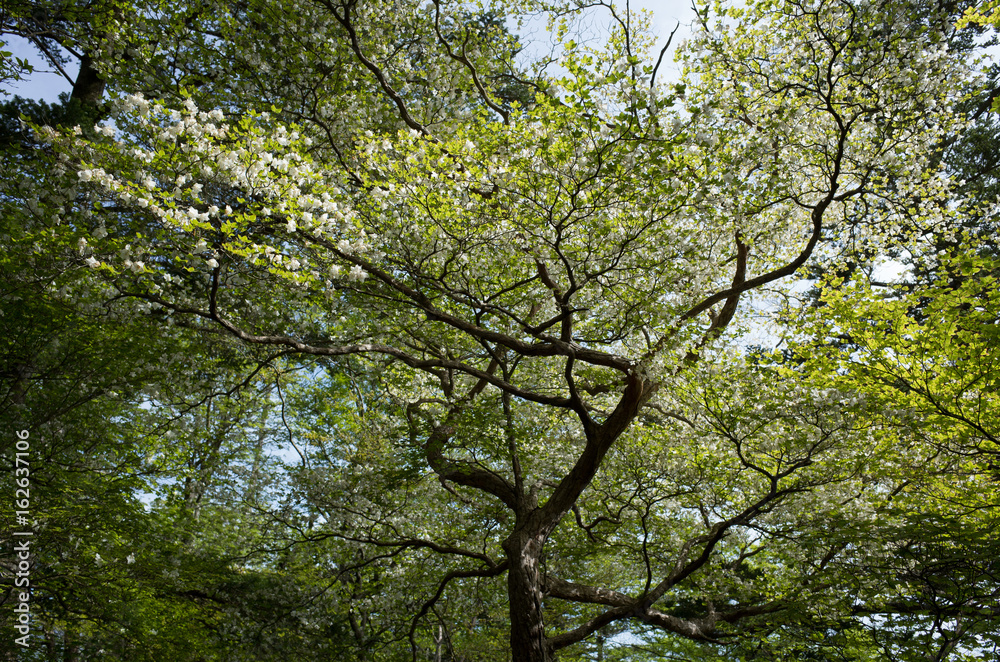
(45, 83)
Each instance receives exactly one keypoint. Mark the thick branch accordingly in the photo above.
(89, 86)
(624, 607)
(721, 320)
(465, 473)
(638, 389)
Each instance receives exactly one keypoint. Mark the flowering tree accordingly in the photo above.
(544, 269)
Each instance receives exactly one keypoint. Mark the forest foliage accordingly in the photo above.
(347, 329)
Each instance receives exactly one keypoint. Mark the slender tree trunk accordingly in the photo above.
(70, 649)
(524, 588)
(360, 636)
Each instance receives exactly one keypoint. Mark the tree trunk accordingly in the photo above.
(89, 86)
(70, 648)
(524, 546)
(524, 588)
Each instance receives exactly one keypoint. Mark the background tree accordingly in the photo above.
(932, 376)
(120, 413)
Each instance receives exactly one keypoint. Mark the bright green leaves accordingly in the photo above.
(929, 355)
(982, 14)
(923, 363)
(12, 68)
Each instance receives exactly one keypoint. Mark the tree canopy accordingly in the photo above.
(348, 329)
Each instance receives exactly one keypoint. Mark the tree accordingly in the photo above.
(120, 412)
(925, 362)
(543, 282)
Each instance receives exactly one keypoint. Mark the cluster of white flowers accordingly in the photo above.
(259, 159)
